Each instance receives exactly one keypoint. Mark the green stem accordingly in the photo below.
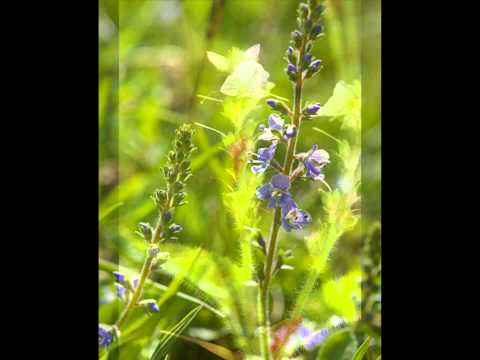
(271, 256)
(144, 274)
(146, 268)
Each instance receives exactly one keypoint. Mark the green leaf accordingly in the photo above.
(361, 351)
(345, 102)
(249, 79)
(219, 61)
(338, 346)
(103, 213)
(220, 351)
(339, 295)
(172, 333)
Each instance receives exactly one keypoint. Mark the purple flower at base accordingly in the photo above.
(314, 162)
(264, 156)
(120, 277)
(294, 218)
(312, 109)
(315, 339)
(105, 335)
(120, 291)
(275, 192)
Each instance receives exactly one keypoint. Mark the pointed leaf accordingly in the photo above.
(219, 61)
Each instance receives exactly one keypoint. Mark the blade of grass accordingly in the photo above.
(361, 351)
(218, 350)
(177, 329)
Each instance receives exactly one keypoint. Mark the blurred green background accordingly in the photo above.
(152, 67)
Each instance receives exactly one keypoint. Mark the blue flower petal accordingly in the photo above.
(275, 122)
(265, 192)
(281, 182)
(316, 339)
(120, 291)
(303, 331)
(258, 169)
(266, 154)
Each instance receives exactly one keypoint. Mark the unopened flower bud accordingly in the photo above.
(175, 228)
(312, 109)
(316, 31)
(297, 38)
(145, 230)
(120, 291)
(120, 277)
(277, 105)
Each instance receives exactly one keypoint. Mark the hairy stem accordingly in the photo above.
(273, 241)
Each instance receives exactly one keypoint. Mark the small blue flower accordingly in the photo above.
(290, 50)
(105, 335)
(275, 122)
(120, 277)
(315, 339)
(294, 218)
(276, 125)
(264, 156)
(314, 161)
(151, 305)
(275, 192)
(312, 109)
(120, 291)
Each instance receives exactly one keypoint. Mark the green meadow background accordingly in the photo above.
(152, 69)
